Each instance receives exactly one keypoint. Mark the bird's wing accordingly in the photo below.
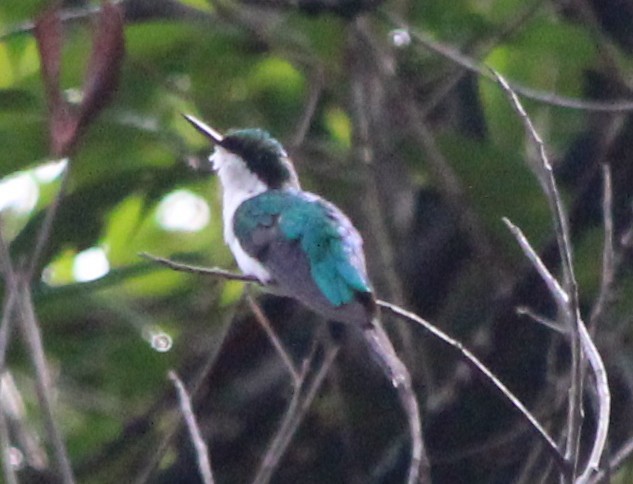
(310, 248)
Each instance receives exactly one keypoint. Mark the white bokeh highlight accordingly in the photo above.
(183, 211)
(91, 264)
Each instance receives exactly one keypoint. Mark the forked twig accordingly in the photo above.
(19, 287)
(465, 353)
(302, 398)
(202, 452)
(405, 393)
(590, 351)
(566, 299)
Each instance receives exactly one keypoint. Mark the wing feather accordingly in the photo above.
(310, 248)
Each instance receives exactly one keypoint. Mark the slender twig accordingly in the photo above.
(301, 400)
(8, 469)
(10, 298)
(264, 322)
(474, 362)
(204, 462)
(379, 343)
(568, 305)
(174, 426)
(560, 296)
(205, 271)
(314, 95)
(465, 353)
(47, 224)
(475, 66)
(10, 287)
(33, 337)
(608, 254)
(590, 351)
(539, 318)
(405, 391)
(604, 405)
(625, 453)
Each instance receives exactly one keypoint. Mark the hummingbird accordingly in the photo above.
(299, 245)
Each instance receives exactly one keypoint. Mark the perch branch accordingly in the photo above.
(475, 363)
(204, 271)
(469, 357)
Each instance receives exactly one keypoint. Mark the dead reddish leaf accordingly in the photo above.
(105, 62)
(65, 121)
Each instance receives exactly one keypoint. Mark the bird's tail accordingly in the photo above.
(385, 354)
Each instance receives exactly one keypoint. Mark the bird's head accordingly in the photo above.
(246, 156)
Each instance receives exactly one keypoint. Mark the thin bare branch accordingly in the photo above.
(47, 225)
(624, 453)
(379, 343)
(608, 253)
(10, 297)
(570, 309)
(174, 426)
(204, 271)
(33, 338)
(590, 351)
(560, 296)
(477, 67)
(301, 400)
(548, 323)
(475, 363)
(604, 405)
(202, 453)
(264, 322)
(8, 469)
(314, 95)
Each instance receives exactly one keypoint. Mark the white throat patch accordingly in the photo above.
(238, 184)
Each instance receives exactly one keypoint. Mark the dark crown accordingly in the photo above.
(262, 153)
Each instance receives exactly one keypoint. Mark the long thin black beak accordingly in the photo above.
(205, 129)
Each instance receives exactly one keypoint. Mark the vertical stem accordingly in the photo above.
(33, 338)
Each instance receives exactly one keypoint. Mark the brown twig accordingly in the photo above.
(205, 271)
(264, 322)
(202, 453)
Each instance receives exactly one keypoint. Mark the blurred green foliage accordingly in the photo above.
(236, 66)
